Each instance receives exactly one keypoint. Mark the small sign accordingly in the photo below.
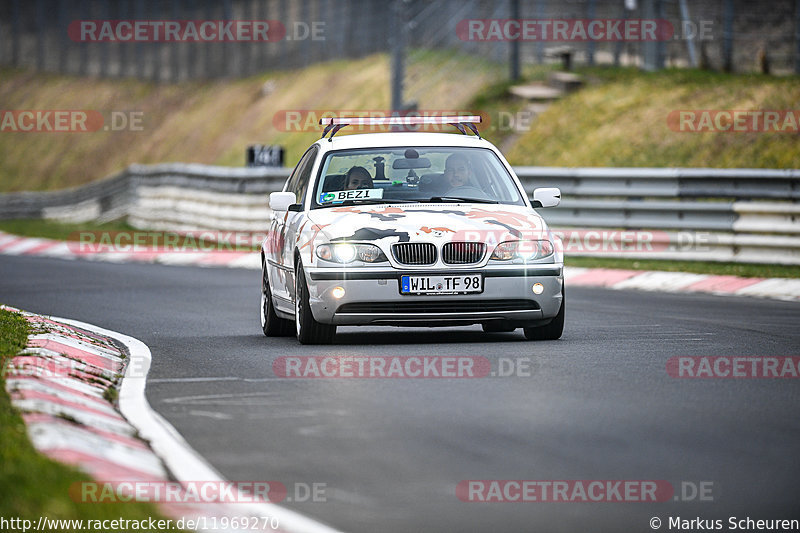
(355, 194)
(259, 155)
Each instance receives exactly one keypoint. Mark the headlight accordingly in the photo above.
(525, 250)
(347, 253)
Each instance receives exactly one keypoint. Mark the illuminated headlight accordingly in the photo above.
(347, 253)
(525, 250)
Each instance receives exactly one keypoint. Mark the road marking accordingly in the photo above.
(181, 459)
(211, 414)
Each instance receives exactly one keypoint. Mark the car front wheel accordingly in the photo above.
(308, 330)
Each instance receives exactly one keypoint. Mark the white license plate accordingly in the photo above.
(466, 283)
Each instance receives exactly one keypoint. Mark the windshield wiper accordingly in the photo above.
(462, 199)
(362, 201)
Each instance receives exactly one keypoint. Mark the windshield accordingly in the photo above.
(414, 174)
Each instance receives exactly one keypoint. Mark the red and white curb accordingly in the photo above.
(774, 288)
(59, 383)
(35, 246)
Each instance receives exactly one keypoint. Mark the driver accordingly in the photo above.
(358, 178)
(457, 171)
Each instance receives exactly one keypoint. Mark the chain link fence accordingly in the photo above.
(737, 35)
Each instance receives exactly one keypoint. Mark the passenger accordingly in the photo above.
(358, 178)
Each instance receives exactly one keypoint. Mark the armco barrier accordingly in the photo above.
(742, 215)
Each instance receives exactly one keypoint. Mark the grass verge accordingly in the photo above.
(51, 229)
(620, 119)
(31, 485)
(745, 270)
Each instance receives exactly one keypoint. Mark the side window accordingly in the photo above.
(305, 174)
(298, 181)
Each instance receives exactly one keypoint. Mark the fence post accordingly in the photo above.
(514, 44)
(398, 53)
(650, 49)
(797, 37)
(140, 59)
(661, 48)
(305, 44)
(690, 47)
(41, 35)
(590, 44)
(15, 33)
(83, 46)
(539, 14)
(154, 13)
(322, 16)
(283, 15)
(727, 36)
(210, 49)
(64, 42)
(174, 63)
(104, 47)
(618, 46)
(123, 49)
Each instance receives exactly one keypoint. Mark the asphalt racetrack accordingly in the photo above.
(387, 454)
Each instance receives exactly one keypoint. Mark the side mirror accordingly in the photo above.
(546, 197)
(280, 201)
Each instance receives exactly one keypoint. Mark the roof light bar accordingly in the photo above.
(334, 124)
(405, 121)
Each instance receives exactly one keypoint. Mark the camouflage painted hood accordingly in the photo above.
(427, 222)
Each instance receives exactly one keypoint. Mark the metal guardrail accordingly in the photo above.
(679, 183)
(748, 215)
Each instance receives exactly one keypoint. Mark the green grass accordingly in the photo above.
(51, 229)
(13, 333)
(620, 119)
(31, 485)
(745, 270)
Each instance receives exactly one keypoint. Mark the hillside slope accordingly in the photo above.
(618, 119)
(202, 122)
(621, 119)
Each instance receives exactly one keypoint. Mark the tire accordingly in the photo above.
(308, 330)
(271, 323)
(551, 331)
(497, 326)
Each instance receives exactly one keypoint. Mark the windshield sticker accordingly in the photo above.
(354, 194)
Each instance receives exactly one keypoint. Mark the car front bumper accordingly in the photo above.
(372, 296)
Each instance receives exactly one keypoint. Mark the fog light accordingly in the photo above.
(537, 288)
(337, 292)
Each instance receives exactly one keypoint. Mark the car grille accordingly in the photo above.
(440, 306)
(463, 253)
(414, 253)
